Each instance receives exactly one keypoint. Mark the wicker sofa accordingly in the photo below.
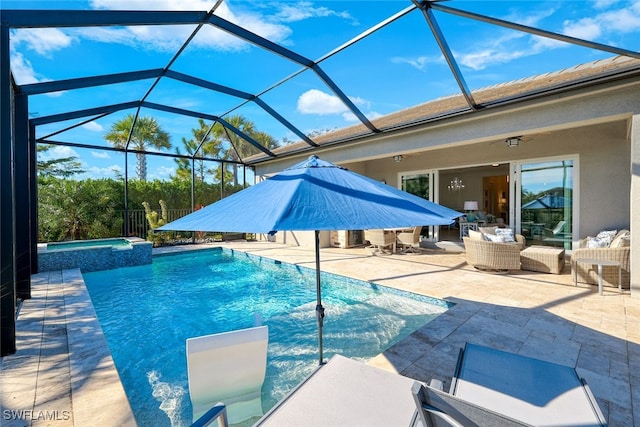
(493, 256)
(616, 251)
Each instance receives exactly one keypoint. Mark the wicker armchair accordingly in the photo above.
(586, 273)
(410, 239)
(381, 239)
(485, 255)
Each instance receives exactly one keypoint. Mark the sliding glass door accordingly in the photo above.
(420, 183)
(545, 198)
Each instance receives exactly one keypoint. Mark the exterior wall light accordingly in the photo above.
(514, 141)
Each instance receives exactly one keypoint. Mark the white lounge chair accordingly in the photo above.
(230, 368)
(437, 408)
(345, 392)
(498, 388)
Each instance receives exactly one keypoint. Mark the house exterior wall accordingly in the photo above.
(599, 126)
(634, 137)
(602, 150)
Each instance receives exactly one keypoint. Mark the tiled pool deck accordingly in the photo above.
(63, 375)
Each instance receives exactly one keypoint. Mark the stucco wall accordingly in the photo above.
(603, 153)
(635, 206)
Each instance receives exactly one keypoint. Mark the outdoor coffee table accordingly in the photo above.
(600, 263)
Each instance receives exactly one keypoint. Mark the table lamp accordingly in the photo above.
(471, 206)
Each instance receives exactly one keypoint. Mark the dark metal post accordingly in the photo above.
(221, 180)
(7, 233)
(126, 195)
(193, 184)
(319, 307)
(22, 196)
(33, 193)
(193, 193)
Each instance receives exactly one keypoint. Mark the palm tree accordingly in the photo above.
(238, 148)
(147, 132)
(210, 147)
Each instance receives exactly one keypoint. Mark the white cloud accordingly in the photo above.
(531, 18)
(104, 172)
(315, 101)
(304, 10)
(587, 29)
(22, 70)
(161, 172)
(24, 73)
(497, 50)
(624, 19)
(58, 152)
(171, 37)
(420, 62)
(100, 154)
(93, 127)
(42, 40)
(602, 4)
(481, 59)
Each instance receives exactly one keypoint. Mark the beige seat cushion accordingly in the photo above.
(475, 235)
(488, 230)
(622, 239)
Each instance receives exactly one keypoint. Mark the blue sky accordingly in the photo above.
(396, 67)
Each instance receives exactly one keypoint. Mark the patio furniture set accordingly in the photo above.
(382, 240)
(603, 260)
(489, 387)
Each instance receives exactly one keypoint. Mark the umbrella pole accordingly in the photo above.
(319, 307)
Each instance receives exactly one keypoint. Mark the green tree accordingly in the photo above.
(62, 167)
(72, 210)
(235, 147)
(146, 133)
(209, 147)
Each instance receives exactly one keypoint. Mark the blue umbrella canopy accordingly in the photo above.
(315, 195)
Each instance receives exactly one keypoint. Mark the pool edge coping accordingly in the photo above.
(97, 394)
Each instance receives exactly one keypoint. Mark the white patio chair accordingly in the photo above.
(229, 367)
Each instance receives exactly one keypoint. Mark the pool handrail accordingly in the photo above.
(218, 412)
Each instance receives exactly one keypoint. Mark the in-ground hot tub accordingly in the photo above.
(94, 255)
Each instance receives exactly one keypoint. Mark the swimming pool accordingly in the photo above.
(147, 312)
(77, 244)
(94, 255)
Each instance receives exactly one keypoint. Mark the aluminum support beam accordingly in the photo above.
(85, 82)
(33, 191)
(535, 31)
(209, 117)
(270, 46)
(98, 18)
(446, 52)
(78, 114)
(7, 233)
(243, 95)
(22, 197)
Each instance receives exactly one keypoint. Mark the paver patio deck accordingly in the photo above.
(64, 375)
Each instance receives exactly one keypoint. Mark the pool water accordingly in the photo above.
(148, 312)
(78, 244)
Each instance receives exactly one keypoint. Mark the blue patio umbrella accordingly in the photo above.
(315, 195)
